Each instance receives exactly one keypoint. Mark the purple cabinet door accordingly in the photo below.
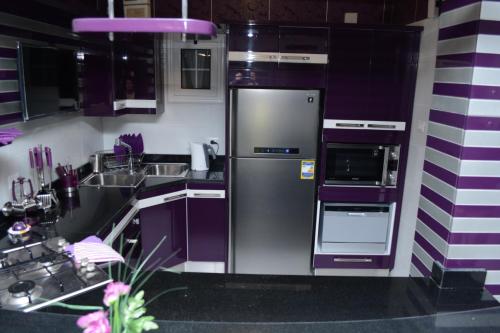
(348, 74)
(371, 74)
(207, 229)
(134, 68)
(97, 90)
(389, 76)
(256, 38)
(303, 40)
(165, 220)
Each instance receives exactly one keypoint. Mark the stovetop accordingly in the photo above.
(37, 274)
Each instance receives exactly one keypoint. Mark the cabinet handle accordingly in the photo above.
(206, 195)
(355, 125)
(295, 58)
(357, 260)
(177, 197)
(381, 126)
(356, 214)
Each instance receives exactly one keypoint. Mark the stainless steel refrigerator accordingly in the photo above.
(273, 147)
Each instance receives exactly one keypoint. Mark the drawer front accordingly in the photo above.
(353, 262)
(348, 227)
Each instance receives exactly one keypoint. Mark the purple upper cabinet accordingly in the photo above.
(348, 74)
(289, 57)
(240, 10)
(369, 11)
(207, 229)
(134, 70)
(406, 11)
(372, 74)
(165, 220)
(303, 40)
(97, 84)
(298, 11)
(256, 38)
(390, 77)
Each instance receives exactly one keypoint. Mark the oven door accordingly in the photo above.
(355, 164)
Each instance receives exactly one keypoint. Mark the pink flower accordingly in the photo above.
(95, 322)
(114, 290)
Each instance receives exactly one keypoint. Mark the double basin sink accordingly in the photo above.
(122, 178)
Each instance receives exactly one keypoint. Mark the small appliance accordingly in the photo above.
(199, 156)
(362, 164)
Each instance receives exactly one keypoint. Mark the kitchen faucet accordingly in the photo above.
(119, 142)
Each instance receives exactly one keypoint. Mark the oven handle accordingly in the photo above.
(385, 166)
(356, 214)
(353, 260)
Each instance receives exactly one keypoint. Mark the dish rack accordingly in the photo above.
(112, 161)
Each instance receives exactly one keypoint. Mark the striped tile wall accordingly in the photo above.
(458, 221)
(10, 108)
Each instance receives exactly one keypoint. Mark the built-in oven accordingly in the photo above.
(362, 164)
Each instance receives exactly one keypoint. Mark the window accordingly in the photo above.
(195, 67)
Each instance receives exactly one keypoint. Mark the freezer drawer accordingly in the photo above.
(272, 213)
(356, 228)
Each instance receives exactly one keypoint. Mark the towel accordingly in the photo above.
(94, 250)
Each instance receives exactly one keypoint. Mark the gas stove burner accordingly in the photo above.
(22, 293)
(22, 288)
(46, 260)
(4, 262)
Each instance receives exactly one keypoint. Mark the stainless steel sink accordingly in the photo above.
(114, 180)
(166, 170)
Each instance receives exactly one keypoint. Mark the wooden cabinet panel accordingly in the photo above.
(298, 11)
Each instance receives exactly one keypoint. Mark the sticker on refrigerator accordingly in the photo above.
(307, 169)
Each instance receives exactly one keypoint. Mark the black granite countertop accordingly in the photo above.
(256, 303)
(93, 210)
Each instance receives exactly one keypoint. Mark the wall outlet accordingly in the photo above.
(210, 140)
(351, 17)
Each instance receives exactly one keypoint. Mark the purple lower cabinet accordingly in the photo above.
(358, 194)
(207, 229)
(165, 220)
(351, 262)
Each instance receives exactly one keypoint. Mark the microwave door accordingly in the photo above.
(358, 165)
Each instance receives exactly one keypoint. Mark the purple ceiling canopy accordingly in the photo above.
(151, 25)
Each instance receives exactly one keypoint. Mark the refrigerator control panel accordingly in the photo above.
(273, 150)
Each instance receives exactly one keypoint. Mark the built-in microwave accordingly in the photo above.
(362, 164)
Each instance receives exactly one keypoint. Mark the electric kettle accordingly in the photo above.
(199, 156)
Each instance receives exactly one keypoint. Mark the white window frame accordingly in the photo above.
(171, 54)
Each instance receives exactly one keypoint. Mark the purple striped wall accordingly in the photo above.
(8, 114)
(458, 220)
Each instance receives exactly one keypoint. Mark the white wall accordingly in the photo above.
(171, 132)
(416, 155)
(71, 138)
(180, 124)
